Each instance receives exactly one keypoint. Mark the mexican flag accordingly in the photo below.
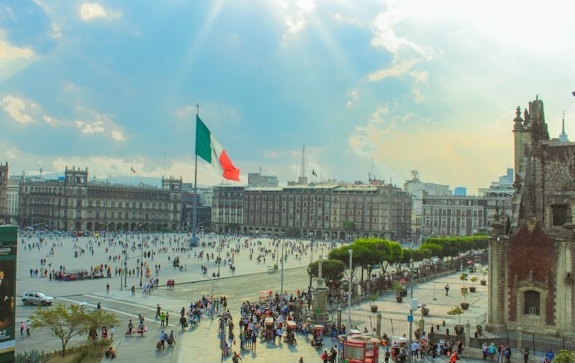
(209, 149)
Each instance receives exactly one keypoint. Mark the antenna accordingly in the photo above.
(303, 161)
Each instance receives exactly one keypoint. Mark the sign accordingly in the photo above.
(8, 244)
(410, 318)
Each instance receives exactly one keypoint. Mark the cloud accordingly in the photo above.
(51, 120)
(406, 53)
(96, 127)
(399, 143)
(118, 135)
(297, 13)
(16, 108)
(91, 11)
(8, 52)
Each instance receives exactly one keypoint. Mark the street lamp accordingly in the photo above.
(349, 288)
(282, 271)
(311, 246)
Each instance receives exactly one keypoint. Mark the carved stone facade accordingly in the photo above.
(76, 204)
(531, 269)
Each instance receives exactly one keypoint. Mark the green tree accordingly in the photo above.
(349, 226)
(564, 356)
(331, 270)
(66, 322)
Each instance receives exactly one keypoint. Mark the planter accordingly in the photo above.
(399, 298)
(472, 289)
(465, 305)
(464, 290)
(425, 311)
(459, 329)
(373, 308)
(483, 282)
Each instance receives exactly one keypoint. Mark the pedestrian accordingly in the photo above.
(162, 318)
(447, 290)
(22, 328)
(163, 339)
(107, 289)
(387, 354)
(133, 290)
(158, 311)
(549, 356)
(507, 354)
(254, 342)
(99, 306)
(167, 318)
(112, 331)
(300, 360)
(28, 328)
(453, 358)
(526, 354)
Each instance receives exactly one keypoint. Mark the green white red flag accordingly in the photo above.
(209, 149)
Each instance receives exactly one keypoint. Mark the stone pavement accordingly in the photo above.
(201, 344)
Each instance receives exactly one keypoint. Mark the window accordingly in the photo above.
(559, 214)
(531, 302)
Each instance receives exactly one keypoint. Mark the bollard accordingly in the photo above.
(378, 325)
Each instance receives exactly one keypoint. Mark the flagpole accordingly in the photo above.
(194, 241)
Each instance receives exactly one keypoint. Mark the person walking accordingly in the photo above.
(526, 354)
(158, 311)
(447, 290)
(28, 328)
(22, 328)
(108, 289)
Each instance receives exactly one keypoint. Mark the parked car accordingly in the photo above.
(37, 298)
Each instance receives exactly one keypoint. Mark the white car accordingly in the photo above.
(37, 298)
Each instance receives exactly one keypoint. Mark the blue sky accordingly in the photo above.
(380, 87)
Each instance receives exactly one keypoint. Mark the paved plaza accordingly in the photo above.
(201, 343)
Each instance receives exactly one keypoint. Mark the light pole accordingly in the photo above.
(411, 303)
(282, 271)
(349, 288)
(311, 247)
(141, 261)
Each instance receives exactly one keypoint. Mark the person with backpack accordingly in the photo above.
(507, 354)
(387, 354)
(491, 351)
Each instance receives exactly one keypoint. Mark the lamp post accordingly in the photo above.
(311, 247)
(282, 271)
(410, 308)
(349, 288)
(141, 255)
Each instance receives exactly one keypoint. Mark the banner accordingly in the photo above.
(8, 244)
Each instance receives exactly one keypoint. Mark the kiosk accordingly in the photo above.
(360, 349)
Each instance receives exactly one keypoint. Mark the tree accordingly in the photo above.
(564, 356)
(66, 322)
(331, 270)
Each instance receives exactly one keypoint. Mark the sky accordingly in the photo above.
(371, 88)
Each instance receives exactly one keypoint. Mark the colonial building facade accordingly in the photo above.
(316, 211)
(531, 269)
(4, 218)
(73, 203)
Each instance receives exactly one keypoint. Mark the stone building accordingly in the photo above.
(4, 218)
(531, 269)
(315, 211)
(74, 203)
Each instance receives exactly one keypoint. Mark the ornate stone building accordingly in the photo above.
(531, 269)
(74, 203)
(316, 211)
